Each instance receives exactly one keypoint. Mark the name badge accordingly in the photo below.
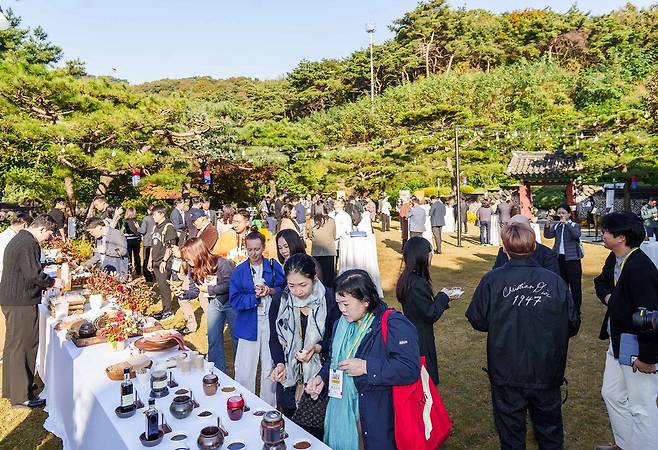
(335, 383)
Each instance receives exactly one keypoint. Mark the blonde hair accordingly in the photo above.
(518, 240)
(131, 213)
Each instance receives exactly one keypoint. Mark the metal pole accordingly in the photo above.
(458, 176)
(372, 75)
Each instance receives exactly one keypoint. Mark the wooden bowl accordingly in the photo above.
(150, 346)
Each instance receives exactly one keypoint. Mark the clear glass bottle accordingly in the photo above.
(127, 391)
(152, 421)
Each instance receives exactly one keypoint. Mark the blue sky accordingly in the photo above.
(151, 39)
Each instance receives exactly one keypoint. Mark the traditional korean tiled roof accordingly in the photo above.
(543, 165)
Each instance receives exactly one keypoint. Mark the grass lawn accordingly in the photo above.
(462, 354)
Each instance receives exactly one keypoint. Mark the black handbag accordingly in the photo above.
(310, 413)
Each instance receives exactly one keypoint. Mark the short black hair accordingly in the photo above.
(93, 223)
(301, 263)
(625, 224)
(565, 207)
(294, 241)
(44, 221)
(162, 209)
(178, 201)
(358, 284)
(255, 235)
(22, 218)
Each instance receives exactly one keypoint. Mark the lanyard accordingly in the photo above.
(621, 268)
(367, 320)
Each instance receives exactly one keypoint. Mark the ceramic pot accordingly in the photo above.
(210, 384)
(272, 429)
(181, 406)
(210, 438)
(235, 407)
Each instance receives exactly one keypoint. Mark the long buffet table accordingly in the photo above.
(81, 400)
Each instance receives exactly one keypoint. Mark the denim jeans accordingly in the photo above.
(484, 232)
(218, 315)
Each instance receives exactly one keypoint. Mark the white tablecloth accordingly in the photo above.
(449, 227)
(360, 253)
(494, 233)
(81, 403)
(651, 249)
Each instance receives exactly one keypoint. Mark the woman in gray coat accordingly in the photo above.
(567, 246)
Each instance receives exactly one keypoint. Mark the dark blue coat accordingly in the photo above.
(392, 364)
(177, 219)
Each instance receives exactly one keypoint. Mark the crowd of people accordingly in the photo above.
(317, 335)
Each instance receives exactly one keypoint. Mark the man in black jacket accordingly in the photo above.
(529, 316)
(629, 280)
(545, 256)
(23, 281)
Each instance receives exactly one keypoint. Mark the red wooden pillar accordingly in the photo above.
(571, 196)
(525, 200)
(571, 193)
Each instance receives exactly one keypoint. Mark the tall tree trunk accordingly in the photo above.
(70, 194)
(452, 57)
(427, 56)
(627, 195)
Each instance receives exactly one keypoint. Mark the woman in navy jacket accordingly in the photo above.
(369, 370)
(567, 246)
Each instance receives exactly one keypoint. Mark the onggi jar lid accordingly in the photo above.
(272, 416)
(235, 402)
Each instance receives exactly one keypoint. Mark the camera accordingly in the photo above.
(645, 319)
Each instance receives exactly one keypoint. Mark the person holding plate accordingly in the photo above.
(419, 304)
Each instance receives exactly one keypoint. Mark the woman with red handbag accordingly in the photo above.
(363, 368)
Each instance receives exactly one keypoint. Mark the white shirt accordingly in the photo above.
(257, 274)
(386, 208)
(5, 237)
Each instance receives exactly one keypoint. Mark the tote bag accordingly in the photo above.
(421, 419)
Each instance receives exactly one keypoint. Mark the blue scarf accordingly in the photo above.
(342, 417)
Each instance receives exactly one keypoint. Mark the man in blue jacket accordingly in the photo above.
(253, 284)
(529, 316)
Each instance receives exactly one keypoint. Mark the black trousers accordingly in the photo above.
(327, 269)
(510, 406)
(134, 260)
(20, 352)
(163, 286)
(572, 273)
(148, 275)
